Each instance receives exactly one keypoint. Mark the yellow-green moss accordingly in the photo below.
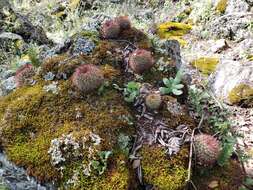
(164, 173)
(221, 6)
(173, 30)
(206, 65)
(250, 57)
(241, 93)
(31, 118)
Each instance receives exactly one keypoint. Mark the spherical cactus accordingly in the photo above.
(153, 101)
(207, 149)
(123, 22)
(87, 78)
(24, 74)
(110, 29)
(140, 60)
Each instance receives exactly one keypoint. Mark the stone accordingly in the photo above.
(213, 184)
(233, 81)
(236, 6)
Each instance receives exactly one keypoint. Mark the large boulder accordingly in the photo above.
(233, 82)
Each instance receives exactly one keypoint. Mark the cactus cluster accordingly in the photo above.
(24, 74)
(112, 28)
(207, 149)
(140, 60)
(153, 101)
(87, 78)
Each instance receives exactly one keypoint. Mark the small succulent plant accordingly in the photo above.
(140, 60)
(153, 101)
(24, 74)
(131, 91)
(87, 78)
(173, 85)
(123, 22)
(207, 149)
(110, 29)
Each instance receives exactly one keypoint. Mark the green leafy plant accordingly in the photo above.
(131, 91)
(124, 142)
(173, 86)
(101, 164)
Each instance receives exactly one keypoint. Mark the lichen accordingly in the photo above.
(221, 6)
(163, 172)
(242, 93)
(206, 65)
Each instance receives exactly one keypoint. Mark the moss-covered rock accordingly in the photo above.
(242, 93)
(163, 172)
(206, 65)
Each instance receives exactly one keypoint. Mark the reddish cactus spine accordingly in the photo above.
(24, 74)
(110, 29)
(123, 22)
(87, 78)
(140, 60)
(207, 149)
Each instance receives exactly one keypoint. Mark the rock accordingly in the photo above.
(233, 82)
(213, 184)
(219, 46)
(7, 85)
(236, 6)
(250, 2)
(231, 26)
(11, 36)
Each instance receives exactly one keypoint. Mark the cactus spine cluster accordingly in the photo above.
(140, 60)
(87, 78)
(153, 101)
(207, 149)
(24, 74)
(112, 28)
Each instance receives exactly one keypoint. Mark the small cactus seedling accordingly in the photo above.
(207, 149)
(153, 101)
(123, 22)
(110, 29)
(140, 60)
(87, 78)
(24, 74)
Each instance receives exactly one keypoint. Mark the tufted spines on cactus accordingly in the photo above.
(207, 149)
(110, 29)
(140, 61)
(153, 101)
(24, 75)
(123, 22)
(87, 78)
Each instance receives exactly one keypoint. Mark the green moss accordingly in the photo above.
(221, 6)
(206, 65)
(31, 118)
(164, 173)
(242, 93)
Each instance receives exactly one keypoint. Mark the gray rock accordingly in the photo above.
(237, 6)
(7, 85)
(231, 74)
(231, 26)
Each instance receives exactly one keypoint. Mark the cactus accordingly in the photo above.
(24, 74)
(110, 29)
(140, 60)
(207, 149)
(123, 22)
(87, 78)
(153, 101)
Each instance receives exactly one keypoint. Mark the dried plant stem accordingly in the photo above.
(191, 152)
